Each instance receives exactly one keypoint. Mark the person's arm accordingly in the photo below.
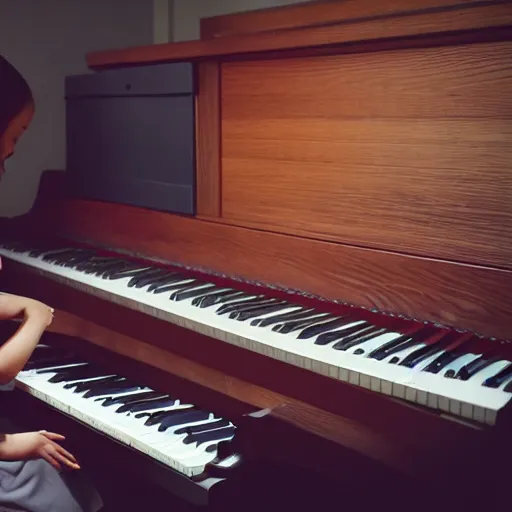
(36, 445)
(16, 351)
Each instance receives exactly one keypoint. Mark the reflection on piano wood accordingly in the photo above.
(348, 268)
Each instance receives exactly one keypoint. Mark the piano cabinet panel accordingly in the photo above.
(406, 150)
(457, 295)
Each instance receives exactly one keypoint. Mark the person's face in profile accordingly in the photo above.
(12, 134)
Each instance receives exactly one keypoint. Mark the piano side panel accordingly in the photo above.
(405, 150)
(208, 140)
(464, 296)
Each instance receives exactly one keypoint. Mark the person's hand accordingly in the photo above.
(35, 310)
(14, 306)
(39, 445)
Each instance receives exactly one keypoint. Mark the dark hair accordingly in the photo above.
(15, 93)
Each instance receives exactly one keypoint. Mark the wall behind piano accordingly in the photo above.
(47, 40)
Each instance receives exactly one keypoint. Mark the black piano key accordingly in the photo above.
(329, 337)
(247, 301)
(497, 380)
(358, 338)
(48, 362)
(79, 373)
(299, 314)
(35, 253)
(295, 325)
(191, 291)
(402, 342)
(203, 427)
(441, 362)
(68, 260)
(210, 435)
(66, 255)
(364, 338)
(84, 385)
(315, 330)
(130, 399)
(147, 278)
(508, 387)
(148, 272)
(181, 417)
(155, 417)
(96, 266)
(152, 417)
(469, 370)
(428, 350)
(114, 388)
(94, 260)
(133, 272)
(72, 262)
(60, 368)
(221, 297)
(201, 294)
(256, 311)
(177, 285)
(449, 355)
(171, 278)
(156, 280)
(104, 271)
(117, 270)
(147, 405)
(240, 306)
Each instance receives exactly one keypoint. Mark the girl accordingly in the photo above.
(36, 472)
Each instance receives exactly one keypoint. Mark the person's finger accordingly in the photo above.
(66, 454)
(48, 457)
(52, 435)
(65, 460)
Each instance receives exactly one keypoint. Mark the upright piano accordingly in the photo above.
(320, 311)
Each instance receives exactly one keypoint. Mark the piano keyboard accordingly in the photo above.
(175, 433)
(454, 373)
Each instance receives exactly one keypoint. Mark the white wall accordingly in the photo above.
(47, 40)
(187, 13)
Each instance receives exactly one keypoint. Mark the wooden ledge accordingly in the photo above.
(451, 19)
(310, 14)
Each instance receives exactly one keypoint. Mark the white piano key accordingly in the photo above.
(481, 376)
(126, 429)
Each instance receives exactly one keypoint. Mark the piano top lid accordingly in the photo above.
(319, 25)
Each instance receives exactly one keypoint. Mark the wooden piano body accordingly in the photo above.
(356, 152)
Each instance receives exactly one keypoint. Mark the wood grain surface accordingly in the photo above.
(454, 294)
(476, 17)
(208, 179)
(317, 13)
(408, 150)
